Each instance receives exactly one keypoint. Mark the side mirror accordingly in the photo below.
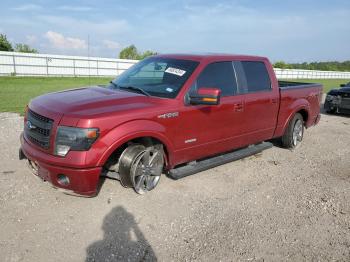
(342, 85)
(206, 96)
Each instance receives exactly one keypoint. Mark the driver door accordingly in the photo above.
(206, 130)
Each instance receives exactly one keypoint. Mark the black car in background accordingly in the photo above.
(338, 100)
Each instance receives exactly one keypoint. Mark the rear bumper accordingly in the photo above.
(83, 182)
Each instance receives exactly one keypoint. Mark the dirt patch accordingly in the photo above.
(280, 205)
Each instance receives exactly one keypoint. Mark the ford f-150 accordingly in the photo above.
(168, 114)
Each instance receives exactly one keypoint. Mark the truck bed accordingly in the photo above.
(295, 85)
(294, 93)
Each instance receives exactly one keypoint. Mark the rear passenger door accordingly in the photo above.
(261, 101)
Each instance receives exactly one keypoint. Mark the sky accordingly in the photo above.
(292, 31)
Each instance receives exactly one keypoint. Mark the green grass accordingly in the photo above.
(15, 92)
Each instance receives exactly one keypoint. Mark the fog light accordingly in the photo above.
(63, 180)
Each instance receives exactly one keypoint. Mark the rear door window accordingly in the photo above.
(219, 75)
(257, 77)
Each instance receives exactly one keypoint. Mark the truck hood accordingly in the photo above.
(344, 90)
(92, 101)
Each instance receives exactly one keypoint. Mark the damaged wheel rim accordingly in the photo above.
(297, 132)
(146, 170)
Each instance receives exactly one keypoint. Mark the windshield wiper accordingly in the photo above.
(134, 88)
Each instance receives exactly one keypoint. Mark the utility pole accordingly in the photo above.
(88, 42)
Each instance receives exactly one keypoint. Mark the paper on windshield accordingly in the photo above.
(175, 71)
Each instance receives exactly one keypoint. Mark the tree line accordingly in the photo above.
(131, 52)
(323, 66)
(5, 45)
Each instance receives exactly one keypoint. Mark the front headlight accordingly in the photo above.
(333, 99)
(75, 139)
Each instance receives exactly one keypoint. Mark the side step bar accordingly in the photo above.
(208, 163)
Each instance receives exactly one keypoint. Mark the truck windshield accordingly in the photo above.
(156, 76)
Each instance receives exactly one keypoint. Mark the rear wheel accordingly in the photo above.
(294, 132)
(141, 167)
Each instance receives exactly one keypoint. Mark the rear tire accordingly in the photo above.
(294, 133)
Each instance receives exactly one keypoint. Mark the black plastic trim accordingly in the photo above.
(208, 163)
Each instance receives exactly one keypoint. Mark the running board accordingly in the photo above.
(201, 165)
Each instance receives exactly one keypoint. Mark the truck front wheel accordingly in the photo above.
(294, 132)
(141, 167)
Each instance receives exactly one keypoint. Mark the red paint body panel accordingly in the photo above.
(294, 100)
(209, 91)
(197, 132)
(83, 181)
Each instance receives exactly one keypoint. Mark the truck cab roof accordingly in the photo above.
(212, 57)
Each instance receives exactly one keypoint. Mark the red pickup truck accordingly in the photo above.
(172, 114)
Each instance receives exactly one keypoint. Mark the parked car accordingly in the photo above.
(172, 114)
(338, 100)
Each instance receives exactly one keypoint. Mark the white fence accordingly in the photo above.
(311, 74)
(22, 64)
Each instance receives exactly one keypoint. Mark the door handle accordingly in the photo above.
(238, 107)
(273, 100)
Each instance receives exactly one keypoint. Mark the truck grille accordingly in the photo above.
(38, 128)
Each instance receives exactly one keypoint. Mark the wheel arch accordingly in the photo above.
(304, 113)
(153, 135)
(302, 109)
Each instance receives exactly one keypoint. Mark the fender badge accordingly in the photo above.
(169, 115)
(190, 140)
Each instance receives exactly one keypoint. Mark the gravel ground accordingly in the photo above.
(276, 206)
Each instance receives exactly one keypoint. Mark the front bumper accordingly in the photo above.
(329, 106)
(341, 106)
(83, 182)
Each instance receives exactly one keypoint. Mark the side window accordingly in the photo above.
(257, 76)
(219, 75)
